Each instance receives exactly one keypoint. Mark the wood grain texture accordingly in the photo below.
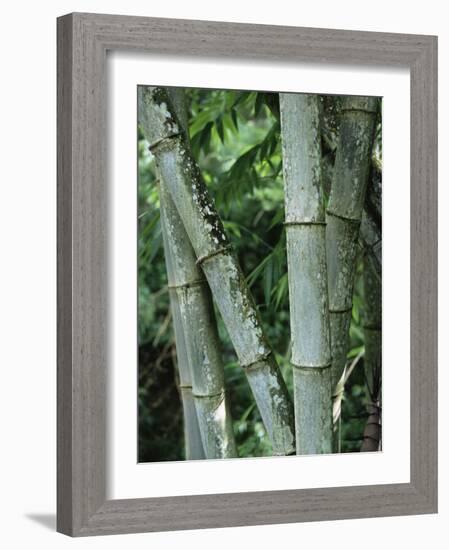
(64, 277)
(83, 40)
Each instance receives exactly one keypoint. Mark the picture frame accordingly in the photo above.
(83, 40)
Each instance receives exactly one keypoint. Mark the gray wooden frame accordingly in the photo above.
(83, 40)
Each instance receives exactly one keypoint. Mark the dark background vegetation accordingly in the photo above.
(236, 141)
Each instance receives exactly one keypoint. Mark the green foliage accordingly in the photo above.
(235, 138)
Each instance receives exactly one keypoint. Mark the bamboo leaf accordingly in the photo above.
(220, 130)
(235, 118)
(280, 291)
(224, 275)
(268, 279)
(205, 135)
(259, 103)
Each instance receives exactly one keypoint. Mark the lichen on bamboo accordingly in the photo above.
(190, 298)
(212, 248)
(192, 438)
(306, 256)
(371, 236)
(343, 216)
(195, 325)
(372, 328)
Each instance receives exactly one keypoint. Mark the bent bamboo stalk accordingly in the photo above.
(192, 438)
(343, 217)
(306, 256)
(212, 248)
(195, 324)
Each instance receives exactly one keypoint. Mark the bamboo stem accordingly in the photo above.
(372, 328)
(306, 256)
(193, 313)
(192, 438)
(226, 280)
(372, 217)
(343, 217)
(195, 326)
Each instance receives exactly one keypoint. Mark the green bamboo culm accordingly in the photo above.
(192, 438)
(372, 328)
(193, 313)
(204, 228)
(306, 256)
(195, 325)
(343, 216)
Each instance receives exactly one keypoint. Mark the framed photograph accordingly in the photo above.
(247, 274)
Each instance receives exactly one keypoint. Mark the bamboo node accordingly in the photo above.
(209, 396)
(206, 257)
(370, 247)
(309, 367)
(357, 110)
(287, 223)
(153, 146)
(355, 221)
(345, 310)
(254, 363)
(187, 285)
